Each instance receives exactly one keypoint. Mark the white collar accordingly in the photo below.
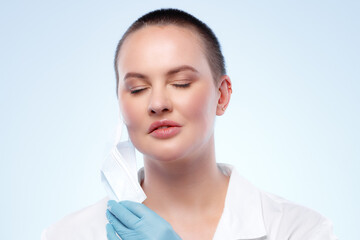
(242, 217)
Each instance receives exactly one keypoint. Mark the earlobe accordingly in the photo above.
(225, 91)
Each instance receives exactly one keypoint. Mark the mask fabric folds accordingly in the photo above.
(119, 174)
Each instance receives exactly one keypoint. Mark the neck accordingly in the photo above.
(192, 184)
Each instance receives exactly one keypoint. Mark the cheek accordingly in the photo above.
(130, 113)
(201, 106)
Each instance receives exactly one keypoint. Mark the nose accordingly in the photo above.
(159, 102)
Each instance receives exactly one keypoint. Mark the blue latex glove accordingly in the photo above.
(134, 221)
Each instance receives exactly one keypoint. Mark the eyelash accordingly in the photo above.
(136, 91)
(185, 85)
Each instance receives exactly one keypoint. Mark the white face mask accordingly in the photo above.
(119, 173)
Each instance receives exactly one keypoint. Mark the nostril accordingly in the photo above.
(157, 111)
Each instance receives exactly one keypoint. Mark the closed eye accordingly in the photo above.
(185, 85)
(135, 91)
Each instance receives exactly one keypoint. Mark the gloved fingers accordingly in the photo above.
(110, 232)
(116, 224)
(138, 209)
(124, 215)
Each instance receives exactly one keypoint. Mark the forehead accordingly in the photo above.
(157, 47)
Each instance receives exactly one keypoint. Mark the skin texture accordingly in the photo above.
(164, 74)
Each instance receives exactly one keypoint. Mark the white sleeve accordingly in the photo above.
(323, 232)
(43, 235)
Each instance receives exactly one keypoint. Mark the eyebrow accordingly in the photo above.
(169, 73)
(134, 75)
(180, 69)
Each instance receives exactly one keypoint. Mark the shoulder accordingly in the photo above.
(285, 219)
(252, 212)
(88, 223)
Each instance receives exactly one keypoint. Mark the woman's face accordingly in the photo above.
(167, 94)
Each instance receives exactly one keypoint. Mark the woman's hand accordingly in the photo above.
(134, 221)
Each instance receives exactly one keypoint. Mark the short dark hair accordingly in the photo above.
(180, 18)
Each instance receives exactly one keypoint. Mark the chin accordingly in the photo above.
(166, 153)
(166, 156)
(177, 149)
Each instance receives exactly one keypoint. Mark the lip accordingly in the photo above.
(157, 129)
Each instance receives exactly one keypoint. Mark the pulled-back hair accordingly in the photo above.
(182, 19)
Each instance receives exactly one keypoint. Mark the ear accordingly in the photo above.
(225, 92)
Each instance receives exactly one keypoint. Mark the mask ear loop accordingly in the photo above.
(119, 132)
(122, 135)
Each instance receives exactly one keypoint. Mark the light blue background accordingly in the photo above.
(292, 127)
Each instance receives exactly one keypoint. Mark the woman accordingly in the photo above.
(171, 84)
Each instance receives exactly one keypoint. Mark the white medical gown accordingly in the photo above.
(249, 213)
